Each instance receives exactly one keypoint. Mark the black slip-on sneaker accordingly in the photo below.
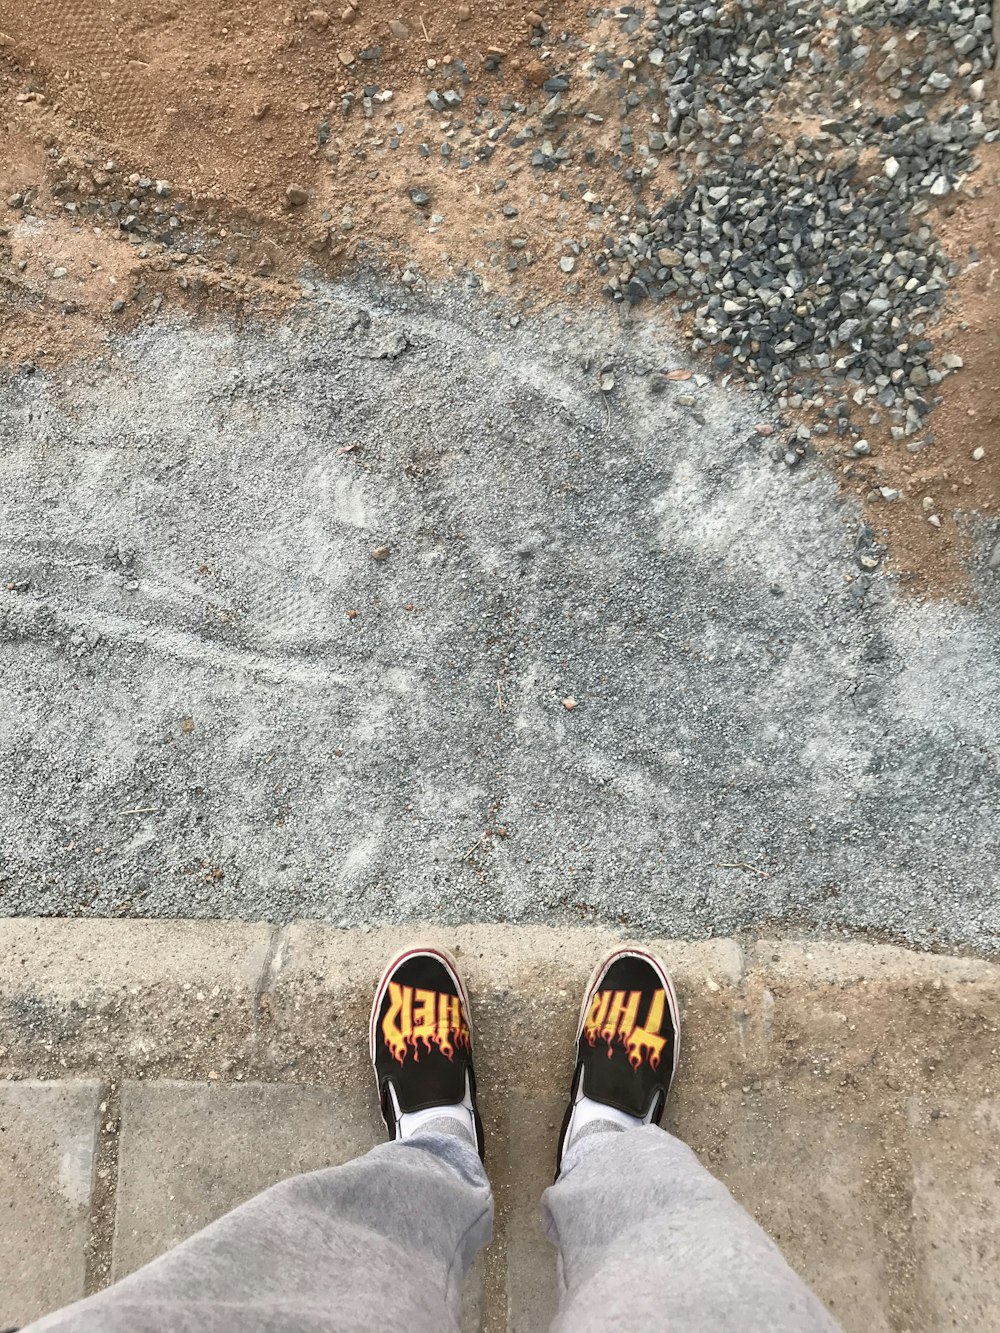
(628, 1041)
(421, 1040)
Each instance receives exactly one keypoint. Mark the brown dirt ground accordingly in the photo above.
(229, 103)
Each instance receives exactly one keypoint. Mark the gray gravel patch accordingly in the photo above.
(194, 725)
(811, 143)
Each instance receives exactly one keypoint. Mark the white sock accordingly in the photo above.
(412, 1122)
(586, 1111)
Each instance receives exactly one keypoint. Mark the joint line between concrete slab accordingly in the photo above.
(271, 965)
(104, 1189)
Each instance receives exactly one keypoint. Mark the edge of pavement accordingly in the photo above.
(56, 951)
(196, 998)
(845, 1091)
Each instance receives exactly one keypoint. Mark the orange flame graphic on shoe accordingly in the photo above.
(423, 1017)
(613, 1017)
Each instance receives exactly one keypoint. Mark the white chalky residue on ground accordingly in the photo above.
(748, 746)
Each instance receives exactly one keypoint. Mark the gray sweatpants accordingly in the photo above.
(647, 1239)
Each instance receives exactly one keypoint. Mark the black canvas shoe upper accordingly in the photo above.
(421, 1037)
(628, 1038)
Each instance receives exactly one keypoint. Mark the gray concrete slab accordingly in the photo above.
(191, 1152)
(48, 1134)
(812, 1181)
(528, 1259)
(956, 1209)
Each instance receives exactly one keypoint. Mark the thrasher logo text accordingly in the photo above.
(614, 1016)
(427, 1017)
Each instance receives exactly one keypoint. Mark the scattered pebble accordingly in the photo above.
(789, 259)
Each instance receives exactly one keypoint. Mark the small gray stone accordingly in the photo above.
(389, 346)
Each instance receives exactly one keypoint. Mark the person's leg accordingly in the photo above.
(648, 1238)
(382, 1241)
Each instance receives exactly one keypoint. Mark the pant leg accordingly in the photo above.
(648, 1239)
(382, 1242)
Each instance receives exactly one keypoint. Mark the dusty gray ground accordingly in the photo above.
(183, 689)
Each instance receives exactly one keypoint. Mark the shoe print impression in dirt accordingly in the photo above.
(490, 464)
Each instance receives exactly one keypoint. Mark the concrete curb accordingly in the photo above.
(231, 999)
(72, 958)
(62, 957)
